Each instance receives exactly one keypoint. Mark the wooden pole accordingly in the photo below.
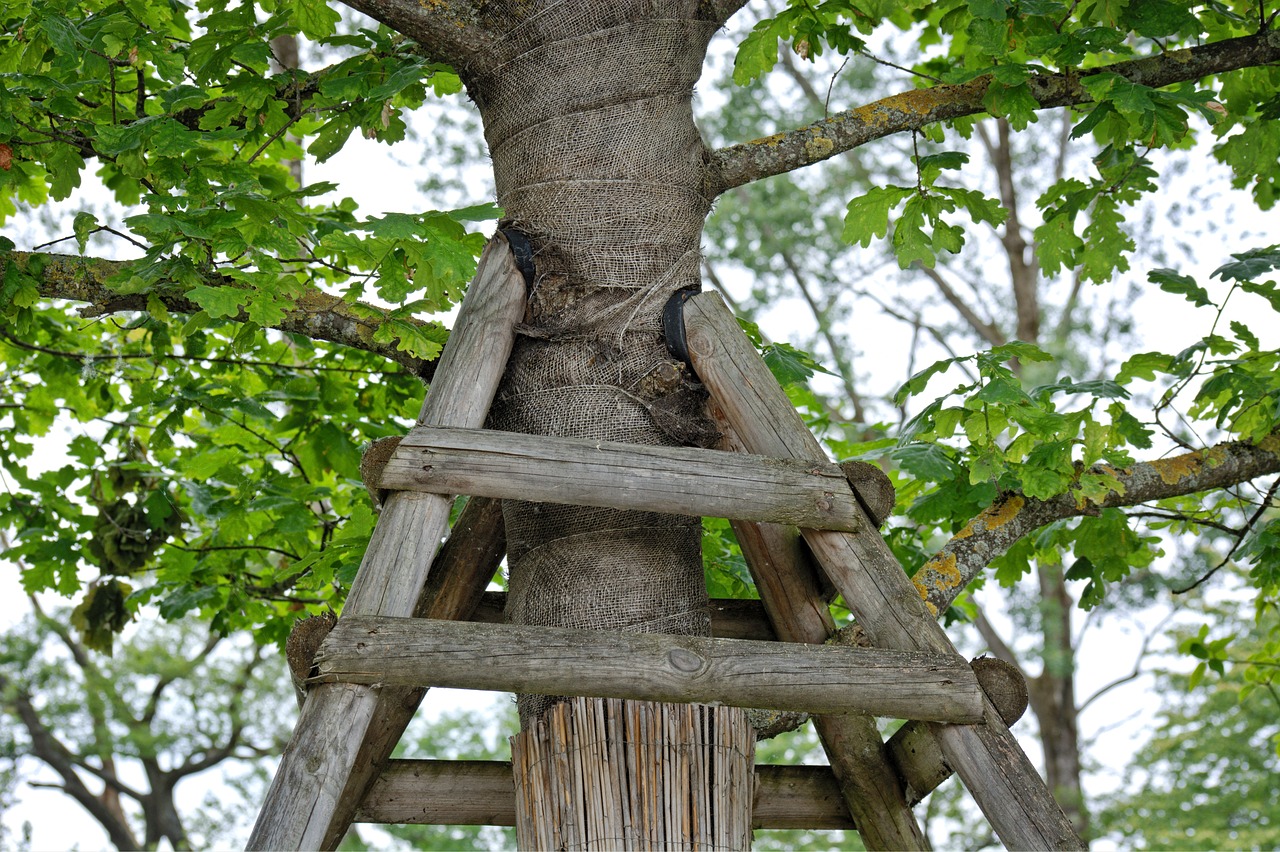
(342, 735)
(481, 792)
(653, 667)
(577, 472)
(870, 787)
(876, 589)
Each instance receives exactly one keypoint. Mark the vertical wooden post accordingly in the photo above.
(346, 730)
(860, 565)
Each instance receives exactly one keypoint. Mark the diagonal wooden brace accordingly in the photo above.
(346, 731)
(862, 568)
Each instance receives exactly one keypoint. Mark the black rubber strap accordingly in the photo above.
(523, 253)
(673, 325)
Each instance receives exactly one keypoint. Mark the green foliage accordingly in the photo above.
(920, 233)
(213, 463)
(1013, 43)
(1205, 779)
(171, 704)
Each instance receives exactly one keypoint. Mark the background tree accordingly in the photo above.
(188, 122)
(1202, 780)
(121, 733)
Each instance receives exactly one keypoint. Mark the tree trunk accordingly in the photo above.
(588, 117)
(613, 774)
(1053, 699)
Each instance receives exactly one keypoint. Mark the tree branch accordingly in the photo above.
(987, 331)
(449, 31)
(47, 747)
(995, 642)
(750, 161)
(316, 314)
(1137, 664)
(824, 326)
(1022, 268)
(1013, 515)
(719, 10)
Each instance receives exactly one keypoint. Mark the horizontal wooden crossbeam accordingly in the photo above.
(676, 480)
(681, 669)
(480, 792)
(731, 618)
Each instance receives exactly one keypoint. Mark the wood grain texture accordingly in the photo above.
(790, 589)
(651, 667)
(674, 480)
(480, 792)
(346, 730)
(873, 584)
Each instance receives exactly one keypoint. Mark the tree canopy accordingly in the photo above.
(210, 339)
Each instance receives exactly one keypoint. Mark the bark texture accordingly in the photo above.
(587, 112)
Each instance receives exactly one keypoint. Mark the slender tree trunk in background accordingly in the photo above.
(1053, 698)
(589, 122)
(284, 57)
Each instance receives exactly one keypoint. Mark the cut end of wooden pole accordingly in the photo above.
(872, 487)
(301, 646)
(1004, 685)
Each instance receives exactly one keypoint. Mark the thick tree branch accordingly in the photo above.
(720, 10)
(1013, 516)
(316, 314)
(449, 31)
(750, 161)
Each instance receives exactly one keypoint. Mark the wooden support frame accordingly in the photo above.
(650, 667)
(346, 731)
(480, 792)
(675, 480)
(986, 756)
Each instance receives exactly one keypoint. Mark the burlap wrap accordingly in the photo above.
(597, 159)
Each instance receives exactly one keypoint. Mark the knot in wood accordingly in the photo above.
(686, 661)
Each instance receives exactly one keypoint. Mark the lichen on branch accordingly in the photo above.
(746, 162)
(1014, 516)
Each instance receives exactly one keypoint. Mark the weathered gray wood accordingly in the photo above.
(651, 667)
(466, 563)
(865, 780)
(864, 570)
(674, 480)
(916, 752)
(789, 587)
(342, 735)
(480, 792)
